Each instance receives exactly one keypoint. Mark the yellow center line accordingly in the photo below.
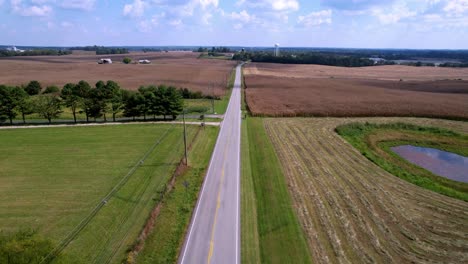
(218, 204)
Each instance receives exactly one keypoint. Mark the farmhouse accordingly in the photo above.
(105, 61)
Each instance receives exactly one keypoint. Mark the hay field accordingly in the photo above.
(353, 211)
(181, 69)
(312, 90)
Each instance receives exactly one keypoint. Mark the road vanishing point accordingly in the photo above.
(214, 232)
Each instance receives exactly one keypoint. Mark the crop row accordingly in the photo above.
(353, 211)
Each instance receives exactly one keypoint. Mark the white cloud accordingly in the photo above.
(316, 18)
(283, 5)
(176, 23)
(396, 13)
(66, 24)
(274, 5)
(78, 4)
(456, 7)
(206, 18)
(148, 25)
(207, 3)
(136, 9)
(30, 10)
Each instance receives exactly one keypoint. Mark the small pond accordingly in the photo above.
(442, 163)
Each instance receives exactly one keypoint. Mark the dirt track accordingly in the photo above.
(311, 90)
(181, 69)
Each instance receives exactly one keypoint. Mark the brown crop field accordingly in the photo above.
(181, 69)
(312, 90)
(352, 211)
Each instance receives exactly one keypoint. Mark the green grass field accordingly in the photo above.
(374, 141)
(52, 178)
(271, 232)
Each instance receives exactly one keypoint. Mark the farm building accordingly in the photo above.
(105, 61)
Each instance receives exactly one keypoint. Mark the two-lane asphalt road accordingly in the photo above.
(214, 232)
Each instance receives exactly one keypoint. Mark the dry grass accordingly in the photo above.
(181, 69)
(309, 90)
(354, 211)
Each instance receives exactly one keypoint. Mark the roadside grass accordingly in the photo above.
(52, 178)
(374, 142)
(279, 237)
(165, 241)
(250, 248)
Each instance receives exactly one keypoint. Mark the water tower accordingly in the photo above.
(277, 50)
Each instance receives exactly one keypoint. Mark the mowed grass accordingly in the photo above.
(52, 178)
(270, 231)
(164, 243)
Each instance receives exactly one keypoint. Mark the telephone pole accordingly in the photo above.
(212, 98)
(185, 137)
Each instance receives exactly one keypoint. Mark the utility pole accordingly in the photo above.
(212, 98)
(185, 137)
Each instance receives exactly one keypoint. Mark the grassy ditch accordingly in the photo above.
(270, 231)
(165, 241)
(374, 142)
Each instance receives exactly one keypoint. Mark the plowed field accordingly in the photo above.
(311, 90)
(181, 69)
(353, 211)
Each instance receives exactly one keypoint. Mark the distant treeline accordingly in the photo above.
(105, 98)
(454, 65)
(305, 58)
(38, 52)
(151, 50)
(214, 50)
(101, 50)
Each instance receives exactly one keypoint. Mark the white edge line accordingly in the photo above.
(192, 224)
(239, 116)
(187, 242)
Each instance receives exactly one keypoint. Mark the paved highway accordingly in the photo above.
(214, 232)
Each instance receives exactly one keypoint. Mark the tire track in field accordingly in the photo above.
(352, 211)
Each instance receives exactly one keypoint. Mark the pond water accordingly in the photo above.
(439, 162)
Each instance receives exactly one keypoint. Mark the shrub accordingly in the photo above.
(51, 90)
(127, 60)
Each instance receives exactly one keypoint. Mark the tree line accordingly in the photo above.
(101, 50)
(103, 100)
(37, 52)
(213, 50)
(304, 58)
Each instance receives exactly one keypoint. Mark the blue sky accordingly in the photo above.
(441, 24)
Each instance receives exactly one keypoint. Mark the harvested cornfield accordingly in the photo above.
(180, 69)
(353, 211)
(311, 90)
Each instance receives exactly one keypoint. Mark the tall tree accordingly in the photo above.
(176, 103)
(8, 103)
(132, 105)
(83, 90)
(48, 106)
(71, 96)
(23, 102)
(33, 88)
(116, 98)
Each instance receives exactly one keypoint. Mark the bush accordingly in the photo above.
(127, 60)
(23, 247)
(51, 90)
(33, 88)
